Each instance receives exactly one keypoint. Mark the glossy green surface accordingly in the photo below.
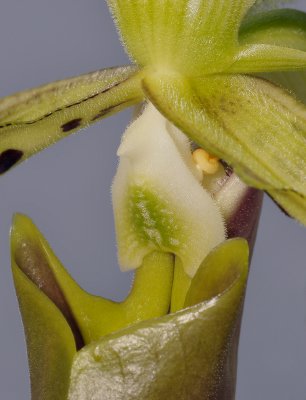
(187, 355)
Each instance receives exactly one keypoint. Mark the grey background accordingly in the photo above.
(66, 190)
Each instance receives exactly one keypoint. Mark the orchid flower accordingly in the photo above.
(221, 116)
(200, 63)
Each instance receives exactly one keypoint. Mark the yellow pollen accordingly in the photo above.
(205, 162)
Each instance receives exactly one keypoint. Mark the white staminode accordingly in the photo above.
(158, 200)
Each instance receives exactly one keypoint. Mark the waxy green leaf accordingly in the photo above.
(255, 126)
(187, 355)
(33, 120)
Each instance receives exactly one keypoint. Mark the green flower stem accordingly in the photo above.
(151, 292)
(181, 284)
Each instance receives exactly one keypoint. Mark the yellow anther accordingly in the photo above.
(205, 162)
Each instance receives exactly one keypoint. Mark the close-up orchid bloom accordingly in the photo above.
(219, 95)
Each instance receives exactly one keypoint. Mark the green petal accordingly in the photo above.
(283, 27)
(33, 120)
(280, 28)
(50, 342)
(187, 355)
(185, 35)
(252, 124)
(228, 259)
(265, 58)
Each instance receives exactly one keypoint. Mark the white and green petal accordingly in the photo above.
(159, 203)
(33, 120)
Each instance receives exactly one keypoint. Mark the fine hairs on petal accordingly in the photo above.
(159, 202)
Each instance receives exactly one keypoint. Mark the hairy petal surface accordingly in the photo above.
(191, 36)
(159, 203)
(33, 120)
(255, 126)
(265, 58)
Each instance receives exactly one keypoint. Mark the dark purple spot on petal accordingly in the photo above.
(9, 158)
(70, 125)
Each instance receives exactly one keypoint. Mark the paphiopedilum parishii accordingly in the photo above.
(198, 64)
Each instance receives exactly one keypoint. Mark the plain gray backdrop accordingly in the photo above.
(66, 191)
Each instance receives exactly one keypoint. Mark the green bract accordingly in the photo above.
(193, 62)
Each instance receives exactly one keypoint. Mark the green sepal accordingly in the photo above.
(230, 257)
(34, 119)
(230, 260)
(221, 113)
(187, 355)
(193, 37)
(89, 316)
(281, 28)
(254, 58)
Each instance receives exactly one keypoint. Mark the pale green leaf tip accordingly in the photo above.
(50, 342)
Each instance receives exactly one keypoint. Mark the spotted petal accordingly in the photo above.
(257, 127)
(33, 120)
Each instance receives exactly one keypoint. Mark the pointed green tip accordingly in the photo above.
(50, 341)
(20, 228)
(224, 267)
